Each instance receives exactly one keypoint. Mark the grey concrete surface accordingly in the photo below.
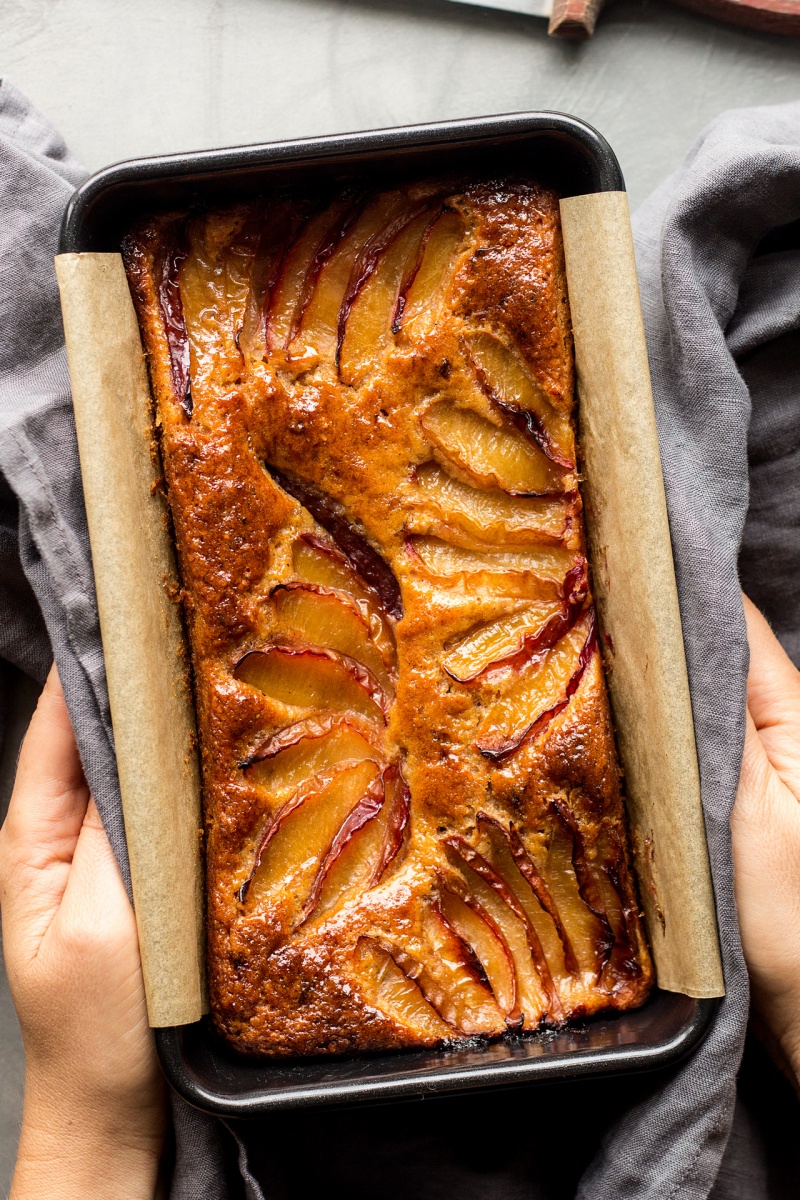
(122, 78)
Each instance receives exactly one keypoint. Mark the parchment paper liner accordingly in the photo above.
(633, 577)
(143, 643)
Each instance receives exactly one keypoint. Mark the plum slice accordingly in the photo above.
(304, 749)
(214, 287)
(222, 286)
(510, 642)
(412, 270)
(372, 253)
(475, 927)
(537, 995)
(504, 643)
(365, 859)
(171, 305)
(573, 887)
(365, 810)
(543, 563)
(397, 815)
(512, 861)
(203, 299)
(308, 677)
(447, 979)
(256, 254)
(464, 515)
(300, 835)
(605, 888)
(367, 329)
(239, 268)
(366, 844)
(287, 290)
(330, 619)
(505, 379)
(365, 561)
(318, 323)
(491, 456)
(318, 561)
(542, 691)
(344, 217)
(451, 983)
(422, 289)
(392, 992)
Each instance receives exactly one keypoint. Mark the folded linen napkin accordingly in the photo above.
(722, 324)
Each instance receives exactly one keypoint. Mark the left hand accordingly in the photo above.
(94, 1112)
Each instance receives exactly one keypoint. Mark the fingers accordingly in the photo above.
(50, 795)
(754, 782)
(773, 698)
(45, 815)
(766, 849)
(773, 682)
(95, 921)
(95, 894)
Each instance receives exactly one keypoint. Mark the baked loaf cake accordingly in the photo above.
(414, 827)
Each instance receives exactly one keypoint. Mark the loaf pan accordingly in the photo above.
(572, 157)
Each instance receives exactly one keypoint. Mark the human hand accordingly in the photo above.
(94, 1111)
(766, 841)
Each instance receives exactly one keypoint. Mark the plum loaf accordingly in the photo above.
(414, 825)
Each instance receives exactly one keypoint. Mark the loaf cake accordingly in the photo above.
(414, 820)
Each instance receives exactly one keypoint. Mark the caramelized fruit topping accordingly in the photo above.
(307, 677)
(490, 455)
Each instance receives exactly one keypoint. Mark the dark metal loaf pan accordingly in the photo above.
(572, 157)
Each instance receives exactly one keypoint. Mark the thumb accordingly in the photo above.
(45, 815)
(773, 699)
(95, 899)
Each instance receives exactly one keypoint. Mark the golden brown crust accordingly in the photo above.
(374, 427)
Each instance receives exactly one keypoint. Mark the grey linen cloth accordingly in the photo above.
(723, 327)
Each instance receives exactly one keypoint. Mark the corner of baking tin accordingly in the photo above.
(66, 233)
(76, 232)
(609, 177)
(72, 234)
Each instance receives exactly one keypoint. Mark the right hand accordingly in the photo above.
(766, 841)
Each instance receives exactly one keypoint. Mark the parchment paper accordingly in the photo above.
(151, 706)
(634, 584)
